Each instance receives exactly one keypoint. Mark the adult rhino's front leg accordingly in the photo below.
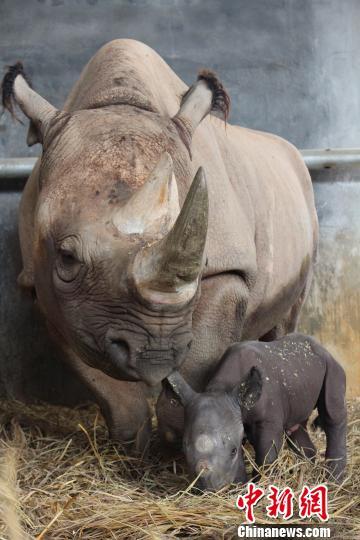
(289, 323)
(122, 403)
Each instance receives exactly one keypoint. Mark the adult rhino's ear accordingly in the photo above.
(181, 388)
(249, 390)
(16, 90)
(206, 96)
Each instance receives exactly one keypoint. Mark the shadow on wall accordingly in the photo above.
(332, 310)
(30, 365)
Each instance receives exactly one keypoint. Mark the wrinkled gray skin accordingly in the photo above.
(133, 255)
(263, 390)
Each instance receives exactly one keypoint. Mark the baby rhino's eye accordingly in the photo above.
(233, 452)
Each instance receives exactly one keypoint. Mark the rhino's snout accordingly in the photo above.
(150, 363)
(210, 482)
(203, 467)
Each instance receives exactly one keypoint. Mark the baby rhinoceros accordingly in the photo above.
(261, 390)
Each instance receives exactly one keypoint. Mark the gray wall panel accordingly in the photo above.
(291, 66)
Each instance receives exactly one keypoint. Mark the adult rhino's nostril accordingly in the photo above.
(119, 350)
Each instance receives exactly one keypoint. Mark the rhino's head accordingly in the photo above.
(214, 429)
(117, 258)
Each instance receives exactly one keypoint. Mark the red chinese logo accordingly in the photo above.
(248, 501)
(281, 503)
(313, 502)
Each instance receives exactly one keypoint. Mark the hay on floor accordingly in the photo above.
(62, 478)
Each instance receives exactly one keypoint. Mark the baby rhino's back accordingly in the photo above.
(293, 370)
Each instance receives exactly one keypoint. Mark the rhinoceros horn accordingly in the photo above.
(167, 271)
(15, 87)
(155, 206)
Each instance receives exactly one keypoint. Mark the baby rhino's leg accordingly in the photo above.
(267, 440)
(332, 412)
(336, 448)
(299, 441)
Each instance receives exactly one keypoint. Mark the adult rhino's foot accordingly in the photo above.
(123, 404)
(134, 439)
(128, 418)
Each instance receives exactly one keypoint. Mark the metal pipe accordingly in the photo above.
(16, 167)
(314, 159)
(329, 158)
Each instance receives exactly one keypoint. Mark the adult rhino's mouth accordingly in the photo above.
(154, 365)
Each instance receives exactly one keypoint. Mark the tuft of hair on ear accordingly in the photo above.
(251, 388)
(255, 375)
(221, 99)
(7, 88)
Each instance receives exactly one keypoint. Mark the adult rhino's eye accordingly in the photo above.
(67, 265)
(233, 452)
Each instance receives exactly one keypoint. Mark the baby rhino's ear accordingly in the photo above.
(249, 390)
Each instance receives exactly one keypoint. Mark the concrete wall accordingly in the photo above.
(292, 67)
(332, 311)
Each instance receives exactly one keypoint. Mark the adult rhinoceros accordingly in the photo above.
(133, 255)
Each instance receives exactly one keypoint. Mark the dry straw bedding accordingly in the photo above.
(62, 479)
